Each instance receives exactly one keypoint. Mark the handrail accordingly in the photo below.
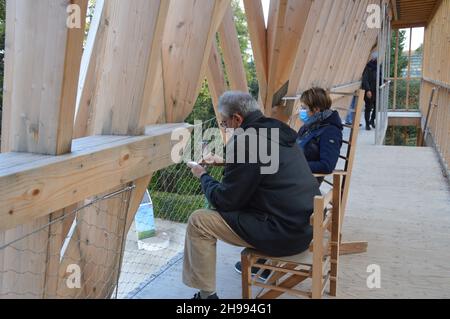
(437, 83)
(430, 104)
(385, 83)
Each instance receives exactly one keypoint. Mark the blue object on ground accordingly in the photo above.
(145, 219)
(350, 114)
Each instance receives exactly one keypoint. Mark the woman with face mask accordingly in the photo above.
(321, 135)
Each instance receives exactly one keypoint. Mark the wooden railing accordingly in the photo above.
(436, 76)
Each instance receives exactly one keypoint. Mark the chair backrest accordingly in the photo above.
(326, 218)
(351, 147)
(323, 267)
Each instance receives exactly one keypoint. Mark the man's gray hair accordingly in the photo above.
(237, 102)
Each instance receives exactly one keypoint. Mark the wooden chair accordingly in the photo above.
(360, 246)
(320, 263)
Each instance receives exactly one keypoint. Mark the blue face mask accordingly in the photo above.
(303, 115)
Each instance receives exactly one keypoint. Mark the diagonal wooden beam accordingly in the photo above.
(274, 53)
(186, 48)
(294, 31)
(258, 37)
(232, 56)
(216, 78)
(283, 56)
(89, 72)
(129, 58)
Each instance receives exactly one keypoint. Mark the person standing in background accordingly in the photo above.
(369, 85)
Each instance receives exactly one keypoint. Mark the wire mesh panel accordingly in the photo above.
(75, 253)
(175, 194)
(92, 250)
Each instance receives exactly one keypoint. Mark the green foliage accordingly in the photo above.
(402, 59)
(414, 94)
(176, 207)
(203, 109)
(176, 194)
(414, 85)
(401, 136)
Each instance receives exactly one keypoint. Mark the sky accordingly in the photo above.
(417, 38)
(266, 5)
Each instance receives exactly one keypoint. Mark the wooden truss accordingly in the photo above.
(81, 123)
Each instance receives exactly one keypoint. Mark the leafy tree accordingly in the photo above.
(414, 85)
(402, 59)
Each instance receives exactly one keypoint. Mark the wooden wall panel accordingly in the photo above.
(436, 74)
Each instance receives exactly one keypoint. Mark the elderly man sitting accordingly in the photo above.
(253, 208)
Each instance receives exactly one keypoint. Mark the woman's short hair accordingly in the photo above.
(316, 98)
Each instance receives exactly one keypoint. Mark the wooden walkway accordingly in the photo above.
(399, 202)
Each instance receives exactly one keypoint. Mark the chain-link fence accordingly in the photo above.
(175, 194)
(94, 249)
(75, 253)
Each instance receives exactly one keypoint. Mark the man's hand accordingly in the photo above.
(369, 94)
(212, 159)
(196, 169)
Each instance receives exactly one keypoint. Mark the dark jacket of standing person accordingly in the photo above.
(270, 212)
(369, 83)
(369, 78)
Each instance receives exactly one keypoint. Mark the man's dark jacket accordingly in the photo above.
(270, 212)
(369, 81)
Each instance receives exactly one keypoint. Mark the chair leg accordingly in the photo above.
(316, 290)
(288, 283)
(246, 276)
(334, 269)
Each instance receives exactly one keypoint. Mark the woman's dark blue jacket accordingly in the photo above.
(323, 144)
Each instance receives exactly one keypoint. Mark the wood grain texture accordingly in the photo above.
(41, 80)
(132, 39)
(232, 56)
(32, 190)
(186, 48)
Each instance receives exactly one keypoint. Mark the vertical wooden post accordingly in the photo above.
(42, 64)
(335, 234)
(317, 268)
(246, 276)
(409, 70)
(44, 42)
(394, 103)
